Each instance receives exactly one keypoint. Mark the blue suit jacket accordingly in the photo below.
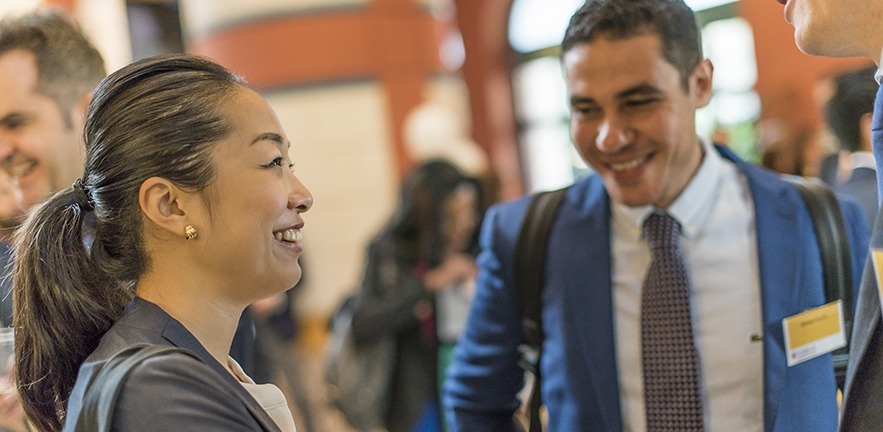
(580, 384)
(174, 392)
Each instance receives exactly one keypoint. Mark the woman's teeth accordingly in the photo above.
(288, 235)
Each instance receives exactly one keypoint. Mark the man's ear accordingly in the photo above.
(163, 203)
(865, 126)
(78, 111)
(701, 83)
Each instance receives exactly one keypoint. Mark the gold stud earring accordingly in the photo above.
(189, 232)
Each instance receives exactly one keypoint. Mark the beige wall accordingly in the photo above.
(106, 24)
(16, 7)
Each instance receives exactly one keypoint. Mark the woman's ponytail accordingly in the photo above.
(62, 305)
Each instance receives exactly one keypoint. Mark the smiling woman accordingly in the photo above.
(164, 240)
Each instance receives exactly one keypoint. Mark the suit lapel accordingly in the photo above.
(584, 227)
(775, 207)
(877, 143)
(179, 336)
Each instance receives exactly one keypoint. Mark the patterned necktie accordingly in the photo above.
(671, 363)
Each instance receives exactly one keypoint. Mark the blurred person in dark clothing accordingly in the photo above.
(425, 249)
(848, 114)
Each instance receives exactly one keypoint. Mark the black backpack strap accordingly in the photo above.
(530, 262)
(101, 395)
(833, 240)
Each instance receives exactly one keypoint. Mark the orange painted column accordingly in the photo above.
(786, 77)
(394, 42)
(487, 72)
(65, 5)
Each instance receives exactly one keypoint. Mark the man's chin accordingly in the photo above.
(809, 43)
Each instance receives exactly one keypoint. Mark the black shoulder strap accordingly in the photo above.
(833, 240)
(530, 263)
(97, 412)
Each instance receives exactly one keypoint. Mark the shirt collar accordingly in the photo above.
(690, 208)
(863, 159)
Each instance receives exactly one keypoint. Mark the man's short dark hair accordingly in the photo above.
(68, 65)
(672, 20)
(853, 97)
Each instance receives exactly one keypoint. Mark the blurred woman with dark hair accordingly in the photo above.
(426, 249)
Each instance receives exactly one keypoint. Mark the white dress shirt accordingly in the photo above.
(719, 245)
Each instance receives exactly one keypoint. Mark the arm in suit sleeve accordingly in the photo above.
(480, 390)
(178, 392)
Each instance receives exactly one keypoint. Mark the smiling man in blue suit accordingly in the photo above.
(745, 258)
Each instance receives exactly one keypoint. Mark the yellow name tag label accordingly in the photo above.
(877, 256)
(814, 332)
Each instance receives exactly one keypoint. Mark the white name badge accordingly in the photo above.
(814, 332)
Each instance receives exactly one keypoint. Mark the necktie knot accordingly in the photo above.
(662, 232)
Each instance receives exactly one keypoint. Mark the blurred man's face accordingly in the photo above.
(39, 145)
(835, 28)
(12, 207)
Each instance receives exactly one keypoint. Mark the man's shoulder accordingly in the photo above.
(586, 192)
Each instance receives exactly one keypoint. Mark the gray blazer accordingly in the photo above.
(174, 392)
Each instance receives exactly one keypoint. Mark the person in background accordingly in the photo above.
(838, 28)
(12, 213)
(848, 115)
(164, 239)
(426, 249)
(802, 155)
(12, 417)
(669, 270)
(47, 72)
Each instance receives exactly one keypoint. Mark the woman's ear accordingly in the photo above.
(163, 203)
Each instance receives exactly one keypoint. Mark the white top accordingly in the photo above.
(271, 399)
(719, 245)
(863, 159)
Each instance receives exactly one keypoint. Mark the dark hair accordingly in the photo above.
(416, 226)
(672, 20)
(68, 65)
(158, 117)
(853, 97)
